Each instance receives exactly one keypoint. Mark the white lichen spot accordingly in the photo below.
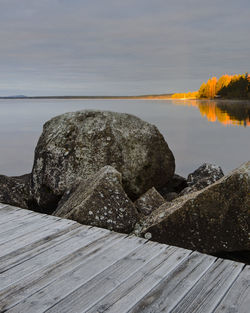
(91, 213)
(148, 236)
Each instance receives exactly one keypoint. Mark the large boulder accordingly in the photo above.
(77, 145)
(15, 190)
(149, 201)
(100, 201)
(203, 176)
(212, 220)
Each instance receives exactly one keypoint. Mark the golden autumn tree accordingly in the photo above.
(211, 86)
(223, 81)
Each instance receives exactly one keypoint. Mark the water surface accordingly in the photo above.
(196, 131)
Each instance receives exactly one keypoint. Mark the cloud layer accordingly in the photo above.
(94, 47)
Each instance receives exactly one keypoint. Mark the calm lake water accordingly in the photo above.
(196, 131)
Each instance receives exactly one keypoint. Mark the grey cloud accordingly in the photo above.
(119, 47)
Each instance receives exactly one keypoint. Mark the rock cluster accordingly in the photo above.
(115, 171)
(77, 145)
(212, 220)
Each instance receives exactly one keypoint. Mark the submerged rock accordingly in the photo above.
(205, 175)
(212, 220)
(100, 201)
(15, 190)
(77, 145)
(149, 201)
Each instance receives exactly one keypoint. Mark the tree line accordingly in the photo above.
(227, 86)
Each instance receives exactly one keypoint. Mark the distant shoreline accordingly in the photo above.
(143, 97)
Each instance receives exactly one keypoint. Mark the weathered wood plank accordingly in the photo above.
(55, 265)
(50, 256)
(11, 214)
(10, 211)
(88, 294)
(38, 280)
(30, 227)
(211, 288)
(128, 294)
(174, 287)
(79, 276)
(15, 244)
(10, 226)
(237, 300)
(47, 238)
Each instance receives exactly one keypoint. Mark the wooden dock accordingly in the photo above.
(49, 264)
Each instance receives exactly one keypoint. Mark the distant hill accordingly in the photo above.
(14, 97)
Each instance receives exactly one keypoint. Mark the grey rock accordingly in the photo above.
(15, 190)
(204, 176)
(149, 201)
(100, 201)
(212, 220)
(77, 145)
(175, 185)
(171, 196)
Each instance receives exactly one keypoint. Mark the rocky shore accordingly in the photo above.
(115, 171)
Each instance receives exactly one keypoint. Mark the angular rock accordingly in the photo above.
(15, 190)
(204, 176)
(212, 220)
(77, 145)
(100, 201)
(149, 201)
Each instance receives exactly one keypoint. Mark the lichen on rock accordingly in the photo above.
(203, 176)
(100, 201)
(15, 190)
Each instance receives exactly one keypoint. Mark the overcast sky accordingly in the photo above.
(120, 47)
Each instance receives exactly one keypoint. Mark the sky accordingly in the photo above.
(114, 47)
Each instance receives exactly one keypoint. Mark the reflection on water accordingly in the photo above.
(227, 113)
